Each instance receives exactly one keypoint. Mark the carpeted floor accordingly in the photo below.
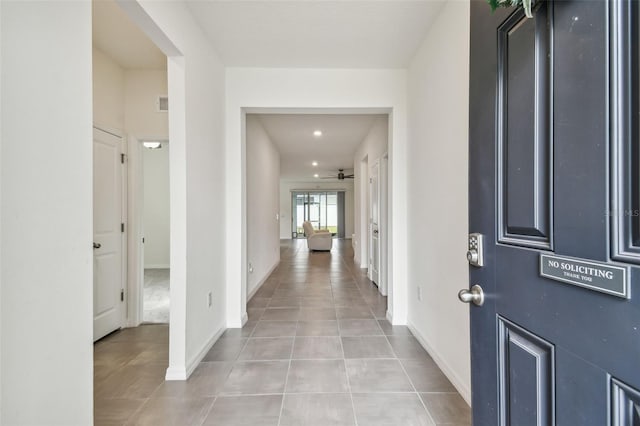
(156, 295)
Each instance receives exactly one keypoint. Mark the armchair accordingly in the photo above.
(317, 240)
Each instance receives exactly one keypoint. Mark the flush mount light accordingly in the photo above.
(152, 145)
(316, 175)
(314, 164)
(317, 133)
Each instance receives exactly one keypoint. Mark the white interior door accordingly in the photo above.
(108, 292)
(374, 261)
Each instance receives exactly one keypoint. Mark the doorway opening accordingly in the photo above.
(129, 101)
(155, 223)
(318, 162)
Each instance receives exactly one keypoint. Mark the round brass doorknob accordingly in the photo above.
(475, 295)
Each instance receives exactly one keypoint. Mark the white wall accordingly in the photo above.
(373, 147)
(263, 202)
(196, 83)
(349, 91)
(141, 91)
(287, 186)
(437, 176)
(1, 102)
(108, 92)
(46, 219)
(156, 207)
(125, 99)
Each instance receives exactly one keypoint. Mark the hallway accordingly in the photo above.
(315, 351)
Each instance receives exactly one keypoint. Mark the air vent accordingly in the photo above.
(163, 103)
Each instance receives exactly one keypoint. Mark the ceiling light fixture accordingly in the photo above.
(152, 145)
(317, 133)
(316, 175)
(314, 164)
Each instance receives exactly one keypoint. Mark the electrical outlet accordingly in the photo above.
(419, 291)
(210, 299)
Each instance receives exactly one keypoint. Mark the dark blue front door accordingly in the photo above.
(555, 183)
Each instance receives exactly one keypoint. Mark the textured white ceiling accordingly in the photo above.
(289, 33)
(293, 136)
(316, 33)
(123, 41)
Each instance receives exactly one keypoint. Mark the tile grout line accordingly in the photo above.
(346, 372)
(433, 421)
(132, 415)
(286, 378)
(206, 415)
(226, 395)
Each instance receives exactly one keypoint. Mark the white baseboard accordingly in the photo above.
(131, 323)
(176, 373)
(157, 266)
(180, 373)
(464, 391)
(263, 280)
(245, 318)
(389, 316)
(195, 360)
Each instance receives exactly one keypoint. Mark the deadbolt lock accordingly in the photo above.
(475, 249)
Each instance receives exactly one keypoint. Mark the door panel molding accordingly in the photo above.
(625, 132)
(524, 130)
(526, 375)
(625, 404)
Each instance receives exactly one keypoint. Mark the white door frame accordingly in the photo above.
(365, 214)
(236, 295)
(375, 168)
(136, 233)
(135, 163)
(383, 224)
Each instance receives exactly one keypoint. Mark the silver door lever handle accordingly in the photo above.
(475, 295)
(97, 245)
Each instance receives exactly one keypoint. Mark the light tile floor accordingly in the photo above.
(316, 351)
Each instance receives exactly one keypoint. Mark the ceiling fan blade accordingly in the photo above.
(349, 176)
(328, 177)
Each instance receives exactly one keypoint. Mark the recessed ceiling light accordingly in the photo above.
(316, 175)
(314, 164)
(152, 145)
(317, 133)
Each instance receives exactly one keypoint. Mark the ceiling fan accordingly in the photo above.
(339, 176)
